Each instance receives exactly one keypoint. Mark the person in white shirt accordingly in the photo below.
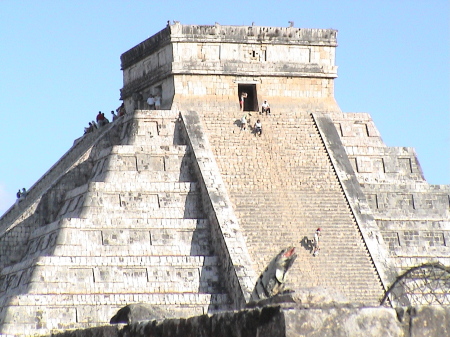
(157, 102)
(114, 116)
(265, 108)
(316, 242)
(244, 122)
(151, 102)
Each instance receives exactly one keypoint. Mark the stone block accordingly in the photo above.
(369, 165)
(96, 199)
(148, 162)
(404, 165)
(120, 274)
(55, 274)
(125, 237)
(41, 316)
(121, 163)
(137, 200)
(343, 322)
(430, 321)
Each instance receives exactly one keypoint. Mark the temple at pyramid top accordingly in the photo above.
(182, 61)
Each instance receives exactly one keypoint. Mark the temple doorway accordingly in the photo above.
(251, 101)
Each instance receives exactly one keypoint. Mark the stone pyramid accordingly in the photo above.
(180, 208)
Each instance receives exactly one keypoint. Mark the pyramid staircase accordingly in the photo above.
(133, 231)
(283, 186)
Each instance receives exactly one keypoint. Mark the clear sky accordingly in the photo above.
(61, 65)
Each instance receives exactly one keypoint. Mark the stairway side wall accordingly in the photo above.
(357, 201)
(227, 239)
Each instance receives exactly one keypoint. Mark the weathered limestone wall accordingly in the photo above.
(292, 321)
(184, 92)
(238, 43)
(216, 94)
(225, 87)
(262, 58)
(20, 220)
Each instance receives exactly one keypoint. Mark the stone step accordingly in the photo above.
(418, 187)
(176, 248)
(86, 311)
(121, 223)
(121, 204)
(100, 242)
(95, 274)
(119, 299)
(82, 316)
(184, 175)
(193, 211)
(119, 241)
(146, 149)
(72, 311)
(173, 249)
(123, 186)
(112, 279)
(118, 261)
(141, 162)
(125, 236)
(142, 200)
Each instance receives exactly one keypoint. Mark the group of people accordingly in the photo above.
(154, 102)
(265, 107)
(102, 120)
(257, 128)
(21, 195)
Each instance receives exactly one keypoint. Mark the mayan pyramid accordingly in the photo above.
(180, 208)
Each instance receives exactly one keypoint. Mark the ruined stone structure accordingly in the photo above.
(179, 208)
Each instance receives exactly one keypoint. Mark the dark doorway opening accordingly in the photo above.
(251, 101)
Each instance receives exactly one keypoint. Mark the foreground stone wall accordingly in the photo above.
(276, 321)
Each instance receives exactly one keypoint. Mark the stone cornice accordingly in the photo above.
(227, 69)
(145, 48)
(228, 34)
(254, 34)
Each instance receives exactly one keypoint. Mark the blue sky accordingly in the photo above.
(61, 65)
